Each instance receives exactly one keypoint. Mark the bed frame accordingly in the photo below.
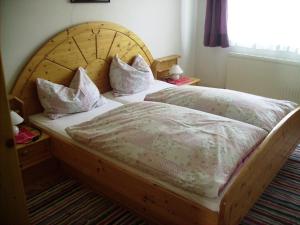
(92, 45)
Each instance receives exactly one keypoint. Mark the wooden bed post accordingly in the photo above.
(260, 169)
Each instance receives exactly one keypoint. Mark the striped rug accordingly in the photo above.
(280, 203)
(69, 202)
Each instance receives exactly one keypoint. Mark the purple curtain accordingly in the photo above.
(215, 33)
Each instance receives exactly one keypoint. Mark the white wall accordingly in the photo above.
(263, 76)
(189, 28)
(211, 63)
(166, 26)
(27, 24)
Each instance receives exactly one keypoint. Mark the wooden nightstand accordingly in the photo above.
(38, 166)
(161, 67)
(34, 152)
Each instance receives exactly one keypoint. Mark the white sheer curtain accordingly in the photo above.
(270, 25)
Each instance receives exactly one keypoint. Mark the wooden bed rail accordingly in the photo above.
(151, 200)
(135, 191)
(260, 169)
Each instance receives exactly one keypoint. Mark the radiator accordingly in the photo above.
(267, 77)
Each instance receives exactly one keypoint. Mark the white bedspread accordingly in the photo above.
(256, 110)
(193, 150)
(57, 127)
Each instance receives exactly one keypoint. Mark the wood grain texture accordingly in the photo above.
(169, 206)
(93, 45)
(161, 66)
(259, 170)
(16, 105)
(89, 45)
(133, 189)
(34, 153)
(104, 41)
(12, 197)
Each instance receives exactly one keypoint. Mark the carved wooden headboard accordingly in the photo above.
(90, 45)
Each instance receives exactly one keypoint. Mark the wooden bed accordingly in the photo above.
(92, 45)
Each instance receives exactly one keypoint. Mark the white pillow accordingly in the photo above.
(126, 79)
(59, 100)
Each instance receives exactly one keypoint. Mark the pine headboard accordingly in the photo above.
(90, 45)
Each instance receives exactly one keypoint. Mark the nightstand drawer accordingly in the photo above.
(34, 154)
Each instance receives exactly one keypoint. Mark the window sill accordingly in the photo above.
(266, 58)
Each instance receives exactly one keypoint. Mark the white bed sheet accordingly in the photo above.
(57, 128)
(138, 97)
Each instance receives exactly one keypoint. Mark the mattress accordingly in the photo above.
(57, 128)
(138, 97)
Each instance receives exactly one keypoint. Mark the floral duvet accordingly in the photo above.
(256, 110)
(193, 150)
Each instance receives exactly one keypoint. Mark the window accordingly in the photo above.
(269, 25)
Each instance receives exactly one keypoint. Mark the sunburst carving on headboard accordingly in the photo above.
(90, 45)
